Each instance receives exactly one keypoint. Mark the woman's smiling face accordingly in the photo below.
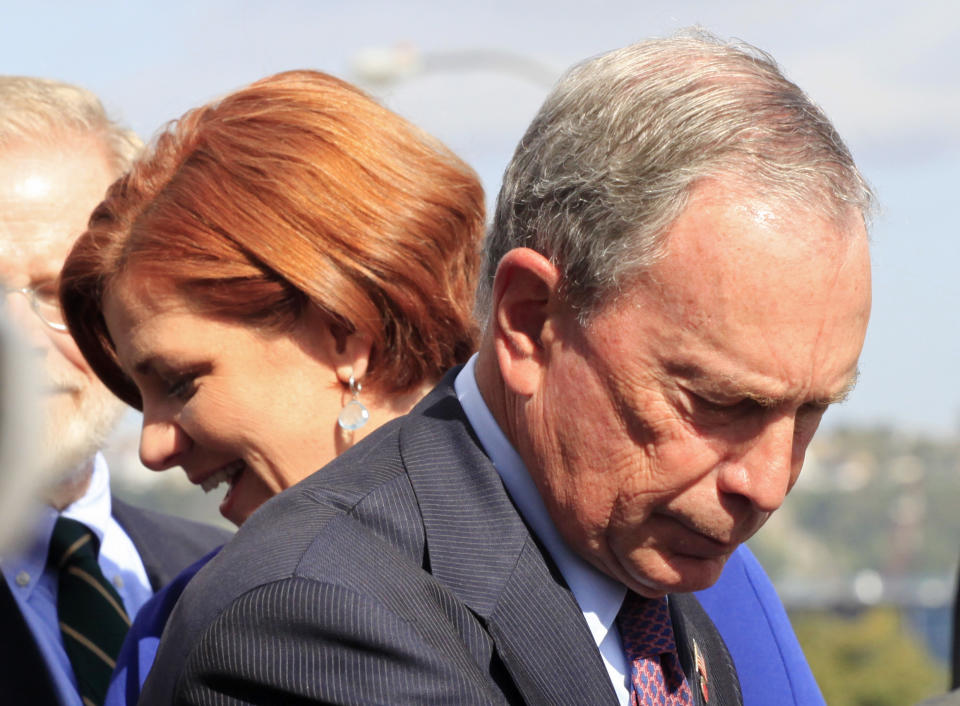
(223, 400)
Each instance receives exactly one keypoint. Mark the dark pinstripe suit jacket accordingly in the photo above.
(166, 546)
(399, 574)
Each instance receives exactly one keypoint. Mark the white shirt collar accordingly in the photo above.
(598, 595)
(93, 509)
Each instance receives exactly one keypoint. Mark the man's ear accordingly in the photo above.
(525, 298)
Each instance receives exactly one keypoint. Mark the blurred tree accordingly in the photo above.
(870, 659)
(890, 496)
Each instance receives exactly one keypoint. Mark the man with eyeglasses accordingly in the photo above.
(58, 154)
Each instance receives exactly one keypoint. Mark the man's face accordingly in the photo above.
(668, 430)
(46, 196)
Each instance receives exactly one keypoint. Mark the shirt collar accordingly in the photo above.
(598, 595)
(93, 509)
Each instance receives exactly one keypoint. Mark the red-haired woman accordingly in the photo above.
(285, 270)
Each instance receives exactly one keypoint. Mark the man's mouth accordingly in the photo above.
(700, 542)
(227, 474)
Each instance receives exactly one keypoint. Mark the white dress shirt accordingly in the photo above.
(34, 586)
(598, 595)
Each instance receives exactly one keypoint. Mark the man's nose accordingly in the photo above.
(766, 467)
(163, 443)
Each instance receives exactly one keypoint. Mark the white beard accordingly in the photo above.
(79, 414)
(49, 436)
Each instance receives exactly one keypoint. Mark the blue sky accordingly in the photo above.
(887, 72)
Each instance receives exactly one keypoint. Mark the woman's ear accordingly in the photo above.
(347, 352)
(351, 352)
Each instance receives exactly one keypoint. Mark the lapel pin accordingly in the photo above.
(701, 672)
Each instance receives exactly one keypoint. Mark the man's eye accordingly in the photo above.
(808, 418)
(47, 294)
(712, 409)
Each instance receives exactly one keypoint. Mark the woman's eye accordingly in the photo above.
(183, 387)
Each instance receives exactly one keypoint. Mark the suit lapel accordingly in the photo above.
(480, 548)
(125, 515)
(23, 670)
(543, 639)
(166, 545)
(706, 661)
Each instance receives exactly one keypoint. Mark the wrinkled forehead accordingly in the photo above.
(34, 255)
(28, 261)
(736, 235)
(743, 265)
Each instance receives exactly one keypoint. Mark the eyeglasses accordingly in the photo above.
(44, 302)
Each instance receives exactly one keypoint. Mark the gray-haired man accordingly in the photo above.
(677, 287)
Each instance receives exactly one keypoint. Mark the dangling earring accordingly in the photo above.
(353, 415)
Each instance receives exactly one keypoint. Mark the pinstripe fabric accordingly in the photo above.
(399, 574)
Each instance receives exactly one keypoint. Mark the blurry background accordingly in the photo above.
(864, 552)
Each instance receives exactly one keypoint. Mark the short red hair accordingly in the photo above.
(297, 189)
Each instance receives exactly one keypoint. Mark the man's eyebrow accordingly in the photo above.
(37, 280)
(732, 387)
(845, 391)
(710, 383)
(840, 396)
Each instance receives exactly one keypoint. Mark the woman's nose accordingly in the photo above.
(162, 444)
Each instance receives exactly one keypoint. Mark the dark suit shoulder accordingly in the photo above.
(25, 677)
(350, 601)
(364, 493)
(277, 639)
(166, 544)
(399, 573)
(326, 531)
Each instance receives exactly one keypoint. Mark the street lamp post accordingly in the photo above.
(386, 66)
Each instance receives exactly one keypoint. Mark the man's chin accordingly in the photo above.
(676, 573)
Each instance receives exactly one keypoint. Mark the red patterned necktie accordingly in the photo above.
(655, 671)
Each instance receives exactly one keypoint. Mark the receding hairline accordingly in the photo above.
(847, 222)
(89, 144)
(42, 110)
(643, 123)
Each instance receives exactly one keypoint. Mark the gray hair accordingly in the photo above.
(41, 109)
(609, 160)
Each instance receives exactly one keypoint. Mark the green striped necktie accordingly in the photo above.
(90, 611)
